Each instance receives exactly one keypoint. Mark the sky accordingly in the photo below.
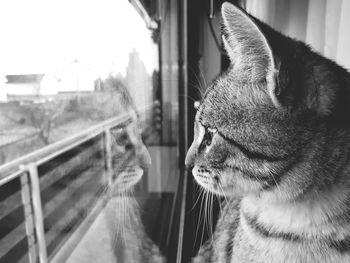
(42, 36)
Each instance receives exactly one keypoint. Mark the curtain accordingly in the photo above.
(323, 24)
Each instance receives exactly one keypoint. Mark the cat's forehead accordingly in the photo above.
(224, 93)
(230, 87)
(229, 100)
(217, 107)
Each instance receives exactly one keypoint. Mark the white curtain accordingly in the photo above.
(323, 24)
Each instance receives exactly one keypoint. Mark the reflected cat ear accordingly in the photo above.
(248, 49)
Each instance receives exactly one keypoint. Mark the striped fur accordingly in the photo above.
(272, 135)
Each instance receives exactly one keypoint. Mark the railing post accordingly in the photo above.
(29, 218)
(38, 212)
(108, 150)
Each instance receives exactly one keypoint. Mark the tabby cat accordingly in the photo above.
(272, 135)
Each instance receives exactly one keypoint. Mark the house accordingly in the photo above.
(22, 87)
(74, 78)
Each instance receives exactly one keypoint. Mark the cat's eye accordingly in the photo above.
(208, 137)
(120, 136)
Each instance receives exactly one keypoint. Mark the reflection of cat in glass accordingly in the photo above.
(129, 160)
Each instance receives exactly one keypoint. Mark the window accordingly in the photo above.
(89, 165)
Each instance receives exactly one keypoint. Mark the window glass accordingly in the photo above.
(65, 66)
(88, 139)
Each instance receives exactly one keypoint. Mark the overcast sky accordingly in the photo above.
(39, 36)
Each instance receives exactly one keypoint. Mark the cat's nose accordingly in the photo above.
(144, 157)
(199, 131)
(190, 156)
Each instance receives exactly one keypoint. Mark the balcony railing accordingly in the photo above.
(47, 194)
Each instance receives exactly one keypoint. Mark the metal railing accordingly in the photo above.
(25, 169)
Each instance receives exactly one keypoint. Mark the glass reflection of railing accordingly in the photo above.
(46, 195)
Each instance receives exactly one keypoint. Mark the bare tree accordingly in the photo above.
(42, 116)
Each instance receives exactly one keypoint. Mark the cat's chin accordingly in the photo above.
(126, 180)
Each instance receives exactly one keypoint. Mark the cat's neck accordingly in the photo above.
(324, 213)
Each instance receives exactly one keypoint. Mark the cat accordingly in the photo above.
(130, 158)
(272, 136)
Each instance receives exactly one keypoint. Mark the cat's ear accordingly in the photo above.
(248, 49)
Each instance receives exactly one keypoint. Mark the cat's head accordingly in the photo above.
(130, 157)
(264, 125)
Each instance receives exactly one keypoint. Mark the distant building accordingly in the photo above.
(27, 87)
(138, 81)
(3, 95)
(74, 78)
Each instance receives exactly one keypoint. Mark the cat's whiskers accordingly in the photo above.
(204, 214)
(200, 89)
(122, 217)
(199, 195)
(203, 78)
(222, 191)
(120, 221)
(209, 212)
(115, 220)
(188, 97)
(200, 214)
(211, 220)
